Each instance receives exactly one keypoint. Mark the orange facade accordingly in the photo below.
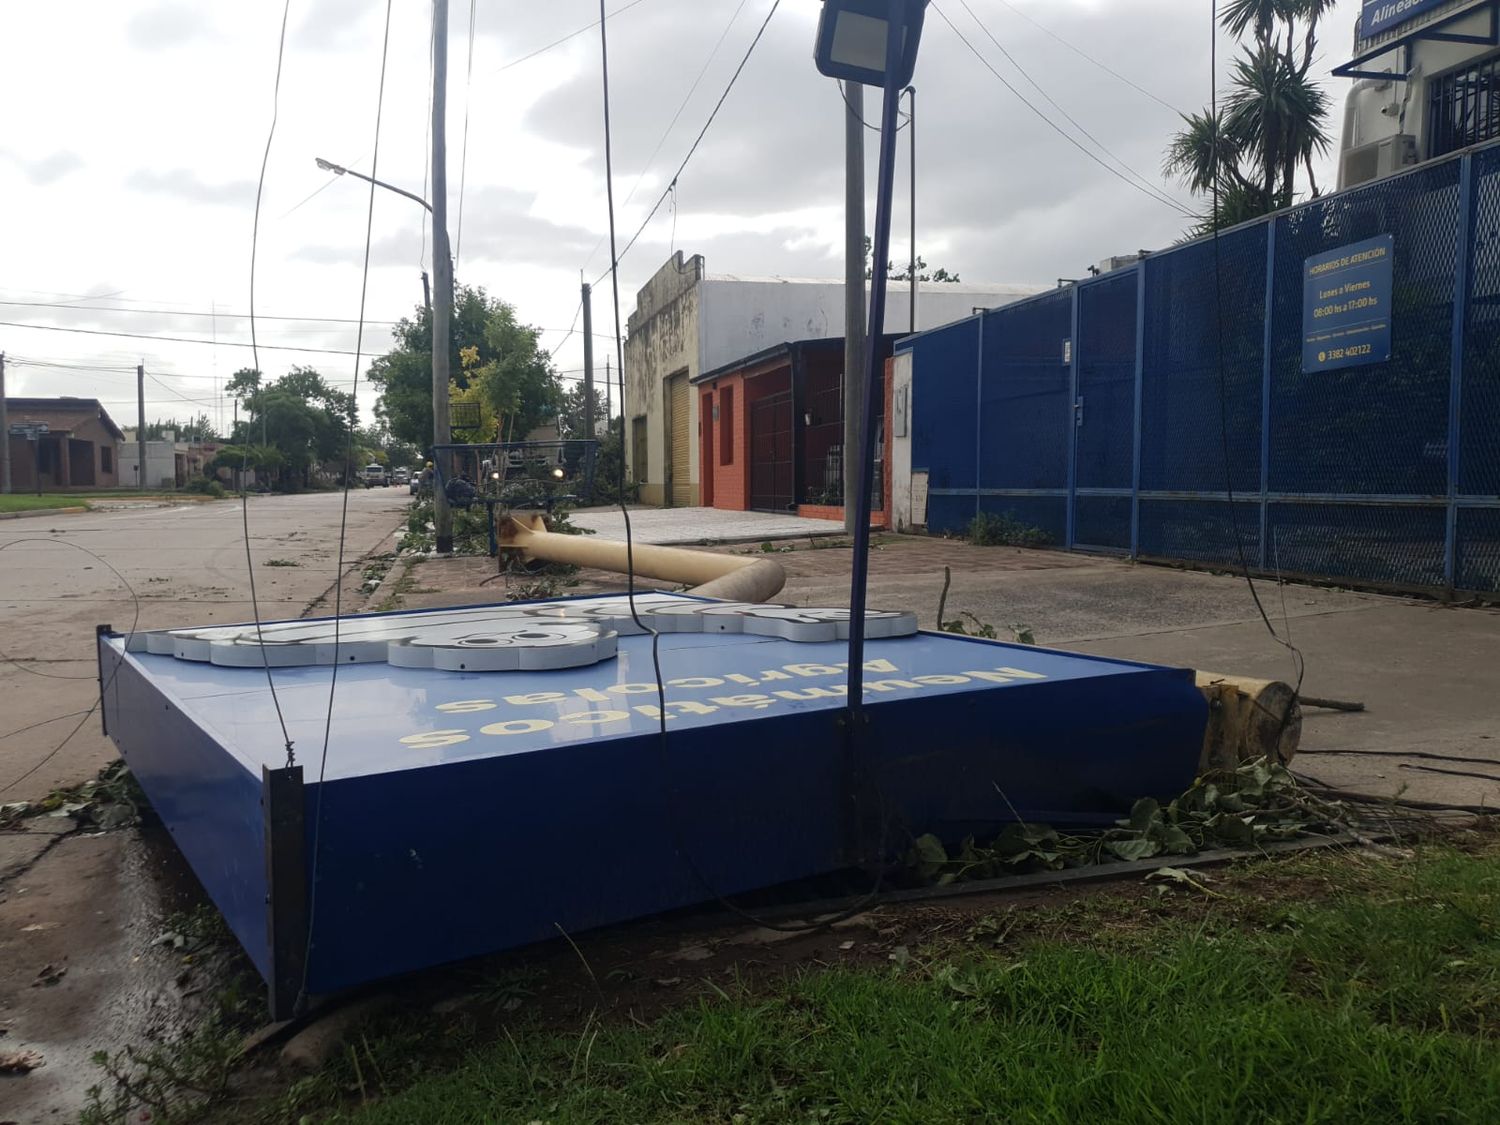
(770, 431)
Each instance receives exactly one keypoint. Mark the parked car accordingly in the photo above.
(374, 475)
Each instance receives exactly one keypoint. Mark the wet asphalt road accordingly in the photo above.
(186, 565)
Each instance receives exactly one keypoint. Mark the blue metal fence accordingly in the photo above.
(1124, 413)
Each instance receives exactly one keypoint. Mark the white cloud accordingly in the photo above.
(139, 168)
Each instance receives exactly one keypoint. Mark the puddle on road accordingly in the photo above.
(96, 905)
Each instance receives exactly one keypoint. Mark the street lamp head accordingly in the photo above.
(852, 38)
(329, 166)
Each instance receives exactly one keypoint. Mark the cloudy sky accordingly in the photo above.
(133, 137)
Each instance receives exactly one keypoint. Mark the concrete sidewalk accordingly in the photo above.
(1429, 674)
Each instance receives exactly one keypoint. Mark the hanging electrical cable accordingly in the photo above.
(463, 160)
(265, 160)
(1298, 663)
(1081, 53)
(1100, 145)
(663, 738)
(682, 105)
(614, 258)
(1150, 193)
(338, 575)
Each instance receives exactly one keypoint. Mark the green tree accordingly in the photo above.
(1272, 121)
(299, 416)
(939, 275)
(514, 375)
(573, 404)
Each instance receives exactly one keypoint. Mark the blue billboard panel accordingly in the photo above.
(444, 812)
(1346, 305)
(1382, 15)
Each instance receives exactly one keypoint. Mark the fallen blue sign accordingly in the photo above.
(456, 812)
(1346, 305)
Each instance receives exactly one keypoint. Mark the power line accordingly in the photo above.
(615, 262)
(179, 395)
(463, 160)
(661, 140)
(177, 339)
(260, 188)
(621, 10)
(338, 575)
(1053, 102)
(21, 361)
(1149, 193)
(1085, 55)
(200, 315)
(569, 336)
(905, 117)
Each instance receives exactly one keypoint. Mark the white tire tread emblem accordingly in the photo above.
(567, 634)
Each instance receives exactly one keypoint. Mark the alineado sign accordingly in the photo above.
(1382, 15)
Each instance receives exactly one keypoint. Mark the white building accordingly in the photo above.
(1427, 83)
(688, 321)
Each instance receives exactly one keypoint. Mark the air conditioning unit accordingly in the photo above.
(1120, 261)
(1380, 158)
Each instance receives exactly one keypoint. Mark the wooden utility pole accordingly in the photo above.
(442, 277)
(4, 434)
(588, 363)
(140, 419)
(854, 295)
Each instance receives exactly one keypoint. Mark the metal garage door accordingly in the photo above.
(679, 479)
(771, 453)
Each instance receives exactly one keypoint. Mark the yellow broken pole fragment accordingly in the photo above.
(709, 574)
(1248, 719)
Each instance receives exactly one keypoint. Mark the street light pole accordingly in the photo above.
(873, 42)
(854, 289)
(442, 270)
(340, 170)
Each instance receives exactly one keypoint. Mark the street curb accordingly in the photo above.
(41, 512)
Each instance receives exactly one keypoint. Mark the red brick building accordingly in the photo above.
(771, 431)
(80, 450)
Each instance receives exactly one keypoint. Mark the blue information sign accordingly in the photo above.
(1382, 15)
(1346, 305)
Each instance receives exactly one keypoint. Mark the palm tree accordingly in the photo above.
(1248, 153)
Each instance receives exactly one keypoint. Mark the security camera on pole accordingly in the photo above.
(872, 42)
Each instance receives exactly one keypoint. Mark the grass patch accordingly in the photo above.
(1330, 988)
(280, 562)
(18, 502)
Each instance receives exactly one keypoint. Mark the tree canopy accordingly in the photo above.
(495, 360)
(939, 275)
(201, 428)
(299, 416)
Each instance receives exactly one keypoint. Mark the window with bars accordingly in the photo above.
(1464, 107)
